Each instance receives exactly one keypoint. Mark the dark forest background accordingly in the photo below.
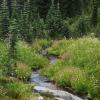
(30, 19)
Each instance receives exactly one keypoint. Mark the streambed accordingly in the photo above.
(45, 87)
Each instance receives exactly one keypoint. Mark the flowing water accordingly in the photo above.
(44, 86)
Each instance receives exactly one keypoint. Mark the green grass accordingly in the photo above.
(40, 44)
(78, 65)
(29, 56)
(23, 72)
(15, 88)
(3, 54)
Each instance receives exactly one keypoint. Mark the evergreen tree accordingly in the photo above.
(33, 10)
(13, 33)
(70, 8)
(43, 7)
(39, 27)
(13, 28)
(54, 22)
(9, 4)
(25, 22)
(4, 19)
(94, 18)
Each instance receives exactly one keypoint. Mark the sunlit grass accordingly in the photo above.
(84, 55)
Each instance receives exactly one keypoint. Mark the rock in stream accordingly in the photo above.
(56, 93)
(45, 87)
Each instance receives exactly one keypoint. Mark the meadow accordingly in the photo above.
(77, 67)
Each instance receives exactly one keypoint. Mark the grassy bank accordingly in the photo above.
(14, 86)
(78, 66)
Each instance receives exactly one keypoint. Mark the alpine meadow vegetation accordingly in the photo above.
(68, 30)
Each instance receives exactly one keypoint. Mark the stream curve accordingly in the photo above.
(44, 86)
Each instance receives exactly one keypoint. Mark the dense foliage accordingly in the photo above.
(43, 18)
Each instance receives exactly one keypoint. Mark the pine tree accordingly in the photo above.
(13, 33)
(25, 22)
(43, 7)
(4, 19)
(9, 4)
(54, 22)
(39, 27)
(13, 39)
(94, 18)
(33, 10)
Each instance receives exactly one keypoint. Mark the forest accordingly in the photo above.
(49, 49)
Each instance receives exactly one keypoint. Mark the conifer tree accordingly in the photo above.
(4, 19)
(94, 18)
(54, 21)
(13, 33)
(25, 22)
(43, 7)
(9, 4)
(13, 28)
(39, 26)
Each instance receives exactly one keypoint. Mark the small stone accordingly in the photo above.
(40, 98)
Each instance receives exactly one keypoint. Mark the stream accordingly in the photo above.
(45, 87)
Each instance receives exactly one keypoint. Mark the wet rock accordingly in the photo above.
(56, 93)
(52, 59)
(44, 52)
(40, 98)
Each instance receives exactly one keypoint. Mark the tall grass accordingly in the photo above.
(14, 87)
(3, 54)
(84, 55)
(29, 56)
